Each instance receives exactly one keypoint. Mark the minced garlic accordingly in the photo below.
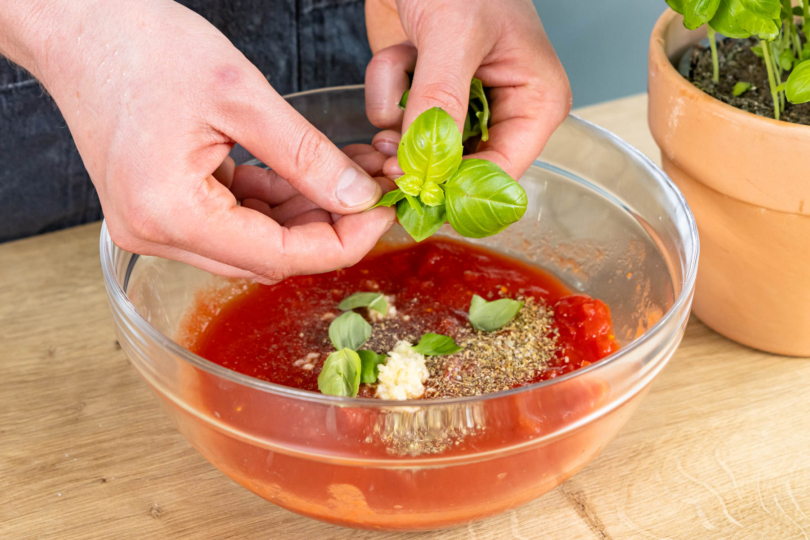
(403, 375)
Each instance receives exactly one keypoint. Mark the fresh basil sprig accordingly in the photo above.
(370, 364)
(349, 331)
(490, 316)
(340, 375)
(436, 345)
(375, 301)
(476, 196)
(390, 199)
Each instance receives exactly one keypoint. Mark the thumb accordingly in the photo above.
(274, 132)
(443, 74)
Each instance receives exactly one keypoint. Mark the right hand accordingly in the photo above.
(155, 98)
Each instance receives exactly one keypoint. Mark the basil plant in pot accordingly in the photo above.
(728, 86)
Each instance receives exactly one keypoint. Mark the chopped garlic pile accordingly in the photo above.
(403, 375)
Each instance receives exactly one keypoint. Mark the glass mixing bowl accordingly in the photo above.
(601, 217)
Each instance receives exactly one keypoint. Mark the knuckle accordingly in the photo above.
(445, 94)
(312, 151)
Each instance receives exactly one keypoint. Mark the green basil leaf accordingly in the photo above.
(370, 362)
(403, 102)
(436, 345)
(786, 59)
(698, 12)
(410, 184)
(371, 300)
(390, 199)
(725, 19)
(757, 50)
(478, 96)
(740, 88)
(679, 6)
(420, 225)
(483, 200)
(415, 205)
(798, 11)
(797, 87)
(432, 194)
(340, 375)
(765, 9)
(490, 316)
(349, 331)
(757, 25)
(431, 147)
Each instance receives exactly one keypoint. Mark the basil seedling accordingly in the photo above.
(436, 345)
(772, 21)
(798, 84)
(740, 88)
(349, 331)
(375, 301)
(370, 366)
(490, 316)
(340, 375)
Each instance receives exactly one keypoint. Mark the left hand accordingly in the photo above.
(445, 43)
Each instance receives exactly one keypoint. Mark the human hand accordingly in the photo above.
(502, 43)
(155, 98)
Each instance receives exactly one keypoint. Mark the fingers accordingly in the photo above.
(215, 228)
(250, 182)
(444, 70)
(224, 173)
(387, 142)
(524, 116)
(386, 80)
(254, 115)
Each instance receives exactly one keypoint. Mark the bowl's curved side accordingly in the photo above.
(352, 461)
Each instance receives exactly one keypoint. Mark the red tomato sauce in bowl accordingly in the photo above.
(380, 467)
(264, 332)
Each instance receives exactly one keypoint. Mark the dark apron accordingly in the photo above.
(297, 44)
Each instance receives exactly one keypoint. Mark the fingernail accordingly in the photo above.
(355, 188)
(386, 147)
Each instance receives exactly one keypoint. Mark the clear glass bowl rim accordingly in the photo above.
(118, 296)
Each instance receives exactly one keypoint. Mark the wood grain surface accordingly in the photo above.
(718, 450)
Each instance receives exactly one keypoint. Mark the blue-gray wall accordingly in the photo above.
(602, 44)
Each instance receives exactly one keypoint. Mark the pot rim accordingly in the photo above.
(717, 107)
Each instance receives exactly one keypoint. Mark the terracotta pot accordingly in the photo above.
(747, 180)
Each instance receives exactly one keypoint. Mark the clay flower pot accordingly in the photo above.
(747, 180)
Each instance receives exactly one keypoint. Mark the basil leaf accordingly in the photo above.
(431, 147)
(340, 375)
(725, 19)
(414, 203)
(696, 13)
(420, 225)
(483, 200)
(477, 95)
(490, 316)
(390, 199)
(798, 84)
(349, 331)
(740, 88)
(432, 194)
(371, 300)
(403, 102)
(436, 345)
(370, 362)
(677, 5)
(410, 184)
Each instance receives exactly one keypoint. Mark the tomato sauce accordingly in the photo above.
(263, 332)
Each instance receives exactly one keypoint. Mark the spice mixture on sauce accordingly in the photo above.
(437, 319)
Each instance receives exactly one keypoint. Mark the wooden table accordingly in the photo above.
(720, 448)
